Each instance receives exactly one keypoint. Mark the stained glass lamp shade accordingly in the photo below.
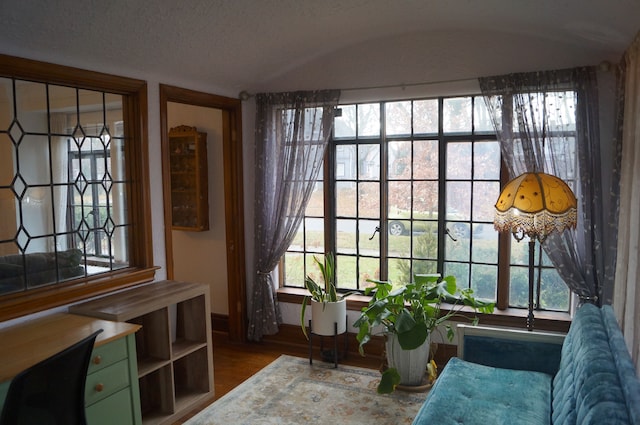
(535, 205)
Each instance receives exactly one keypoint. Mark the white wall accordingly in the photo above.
(202, 256)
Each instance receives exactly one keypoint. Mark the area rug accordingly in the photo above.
(290, 391)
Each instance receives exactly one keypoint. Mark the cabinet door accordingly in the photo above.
(113, 410)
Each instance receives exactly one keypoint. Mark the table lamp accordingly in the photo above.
(535, 205)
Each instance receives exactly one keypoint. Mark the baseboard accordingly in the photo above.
(220, 322)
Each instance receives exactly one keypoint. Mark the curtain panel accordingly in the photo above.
(292, 132)
(544, 121)
(626, 299)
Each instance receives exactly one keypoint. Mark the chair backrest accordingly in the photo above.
(52, 391)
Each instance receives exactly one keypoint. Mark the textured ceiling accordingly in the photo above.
(277, 44)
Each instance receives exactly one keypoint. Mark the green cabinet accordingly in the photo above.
(111, 392)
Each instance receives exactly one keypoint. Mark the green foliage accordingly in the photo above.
(389, 381)
(324, 294)
(413, 311)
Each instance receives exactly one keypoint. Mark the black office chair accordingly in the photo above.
(52, 391)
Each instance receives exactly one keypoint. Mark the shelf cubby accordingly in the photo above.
(174, 376)
(190, 380)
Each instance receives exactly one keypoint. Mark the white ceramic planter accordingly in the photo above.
(410, 364)
(325, 316)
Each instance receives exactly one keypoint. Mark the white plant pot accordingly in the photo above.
(410, 364)
(325, 316)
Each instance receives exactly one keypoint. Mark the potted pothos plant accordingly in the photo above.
(407, 315)
(328, 307)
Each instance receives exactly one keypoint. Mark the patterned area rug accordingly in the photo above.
(290, 391)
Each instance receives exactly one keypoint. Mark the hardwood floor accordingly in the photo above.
(236, 362)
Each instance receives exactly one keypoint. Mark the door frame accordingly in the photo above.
(233, 194)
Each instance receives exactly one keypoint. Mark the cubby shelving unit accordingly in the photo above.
(175, 357)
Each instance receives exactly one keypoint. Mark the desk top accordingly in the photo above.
(25, 344)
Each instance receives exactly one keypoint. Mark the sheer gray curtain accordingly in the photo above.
(542, 126)
(626, 300)
(292, 130)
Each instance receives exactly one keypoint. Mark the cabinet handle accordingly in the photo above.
(97, 360)
(99, 387)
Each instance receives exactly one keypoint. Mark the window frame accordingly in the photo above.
(504, 239)
(135, 114)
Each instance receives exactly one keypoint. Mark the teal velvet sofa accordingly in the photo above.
(519, 377)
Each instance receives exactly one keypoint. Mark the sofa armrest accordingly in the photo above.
(510, 348)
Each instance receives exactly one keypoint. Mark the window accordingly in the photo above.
(411, 189)
(73, 185)
(96, 201)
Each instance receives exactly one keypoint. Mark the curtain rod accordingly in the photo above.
(392, 86)
(245, 95)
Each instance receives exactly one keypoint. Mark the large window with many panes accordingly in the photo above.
(410, 187)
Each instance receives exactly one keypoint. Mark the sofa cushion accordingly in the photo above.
(630, 384)
(587, 388)
(8, 270)
(470, 393)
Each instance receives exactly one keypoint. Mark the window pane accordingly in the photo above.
(368, 237)
(315, 207)
(425, 116)
(425, 240)
(456, 115)
(399, 199)
(346, 199)
(484, 281)
(345, 125)
(519, 286)
(457, 250)
(482, 121)
(460, 271)
(425, 163)
(486, 160)
(369, 200)
(425, 199)
(294, 272)
(485, 195)
(561, 110)
(459, 200)
(485, 244)
(346, 275)
(314, 234)
(398, 118)
(346, 236)
(369, 162)
(399, 160)
(369, 120)
(554, 293)
(369, 269)
(345, 162)
(458, 161)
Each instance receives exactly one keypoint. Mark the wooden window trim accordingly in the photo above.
(551, 321)
(135, 112)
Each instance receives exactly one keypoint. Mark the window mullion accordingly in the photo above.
(442, 199)
(384, 195)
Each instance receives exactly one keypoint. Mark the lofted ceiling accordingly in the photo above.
(269, 45)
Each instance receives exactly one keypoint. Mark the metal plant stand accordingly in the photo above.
(334, 351)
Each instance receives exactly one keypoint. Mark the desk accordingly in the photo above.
(111, 395)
